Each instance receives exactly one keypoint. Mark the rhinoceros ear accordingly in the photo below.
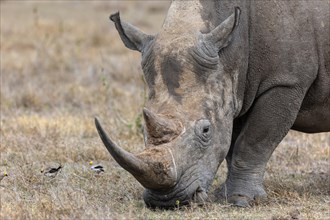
(220, 36)
(132, 37)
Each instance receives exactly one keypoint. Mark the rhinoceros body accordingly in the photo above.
(227, 80)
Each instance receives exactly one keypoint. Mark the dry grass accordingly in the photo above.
(61, 65)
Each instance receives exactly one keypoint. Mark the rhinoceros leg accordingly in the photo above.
(237, 128)
(270, 119)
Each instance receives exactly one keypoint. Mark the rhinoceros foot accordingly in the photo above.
(242, 193)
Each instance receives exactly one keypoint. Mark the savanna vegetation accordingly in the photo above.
(62, 64)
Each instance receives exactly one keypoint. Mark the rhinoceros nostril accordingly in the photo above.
(200, 197)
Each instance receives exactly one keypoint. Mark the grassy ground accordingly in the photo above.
(61, 65)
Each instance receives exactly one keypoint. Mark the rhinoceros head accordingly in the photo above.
(188, 115)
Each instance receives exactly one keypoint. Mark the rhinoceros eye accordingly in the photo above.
(203, 131)
(206, 129)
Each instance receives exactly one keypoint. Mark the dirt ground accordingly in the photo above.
(62, 64)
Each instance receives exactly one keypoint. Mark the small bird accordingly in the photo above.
(3, 175)
(96, 168)
(51, 171)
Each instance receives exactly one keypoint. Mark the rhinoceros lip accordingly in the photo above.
(173, 197)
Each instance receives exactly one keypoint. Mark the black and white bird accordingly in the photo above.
(51, 171)
(96, 168)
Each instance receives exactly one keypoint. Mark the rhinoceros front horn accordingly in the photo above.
(125, 159)
(145, 166)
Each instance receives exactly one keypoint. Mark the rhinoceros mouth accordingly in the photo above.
(180, 195)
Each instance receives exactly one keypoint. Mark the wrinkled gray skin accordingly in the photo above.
(226, 83)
